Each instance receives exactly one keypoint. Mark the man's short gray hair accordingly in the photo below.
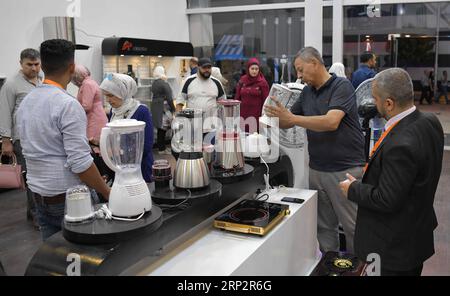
(396, 84)
(308, 54)
(30, 53)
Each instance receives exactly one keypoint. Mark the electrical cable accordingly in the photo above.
(105, 213)
(90, 35)
(260, 198)
(169, 207)
(266, 176)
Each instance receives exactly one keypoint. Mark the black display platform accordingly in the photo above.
(101, 231)
(132, 256)
(254, 161)
(227, 177)
(172, 195)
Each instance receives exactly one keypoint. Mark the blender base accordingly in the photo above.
(232, 176)
(173, 195)
(100, 231)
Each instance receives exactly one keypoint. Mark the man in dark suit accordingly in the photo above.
(395, 197)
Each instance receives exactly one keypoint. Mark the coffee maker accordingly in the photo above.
(191, 171)
(229, 153)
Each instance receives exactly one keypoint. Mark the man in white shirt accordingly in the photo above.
(52, 129)
(201, 91)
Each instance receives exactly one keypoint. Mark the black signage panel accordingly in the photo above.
(148, 47)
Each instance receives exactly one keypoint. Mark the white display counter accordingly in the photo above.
(290, 248)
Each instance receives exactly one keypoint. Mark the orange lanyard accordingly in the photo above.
(378, 143)
(51, 82)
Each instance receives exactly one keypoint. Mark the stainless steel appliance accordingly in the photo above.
(229, 151)
(61, 27)
(191, 171)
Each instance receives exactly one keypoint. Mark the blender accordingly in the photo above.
(229, 155)
(191, 171)
(122, 146)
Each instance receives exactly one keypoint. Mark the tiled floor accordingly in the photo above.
(19, 240)
(441, 111)
(439, 264)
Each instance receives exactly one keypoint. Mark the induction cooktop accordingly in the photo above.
(252, 216)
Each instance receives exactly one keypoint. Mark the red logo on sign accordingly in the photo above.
(127, 46)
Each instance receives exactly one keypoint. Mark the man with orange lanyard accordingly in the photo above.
(395, 218)
(52, 130)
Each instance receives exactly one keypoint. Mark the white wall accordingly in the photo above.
(21, 26)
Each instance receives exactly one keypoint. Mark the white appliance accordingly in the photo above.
(284, 94)
(256, 145)
(122, 146)
(291, 142)
(78, 206)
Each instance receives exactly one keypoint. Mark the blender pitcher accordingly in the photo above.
(229, 148)
(191, 171)
(122, 146)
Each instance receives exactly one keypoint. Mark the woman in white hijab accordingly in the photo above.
(338, 69)
(215, 72)
(118, 90)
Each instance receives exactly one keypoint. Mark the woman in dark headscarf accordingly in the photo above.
(252, 90)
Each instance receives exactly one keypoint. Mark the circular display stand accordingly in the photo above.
(101, 231)
(227, 177)
(173, 195)
(254, 161)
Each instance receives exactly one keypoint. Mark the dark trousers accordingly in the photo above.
(413, 272)
(161, 139)
(443, 91)
(426, 94)
(50, 216)
(31, 206)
